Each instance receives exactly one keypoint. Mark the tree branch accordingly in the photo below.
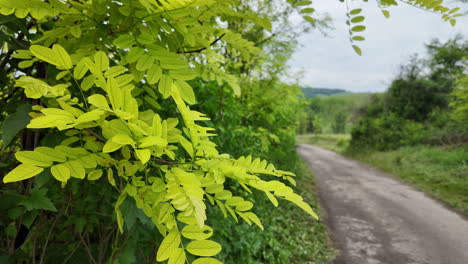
(202, 49)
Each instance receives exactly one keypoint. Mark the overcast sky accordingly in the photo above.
(330, 61)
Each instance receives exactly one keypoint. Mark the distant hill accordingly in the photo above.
(314, 92)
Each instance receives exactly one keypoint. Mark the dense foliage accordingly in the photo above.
(426, 103)
(108, 154)
(332, 114)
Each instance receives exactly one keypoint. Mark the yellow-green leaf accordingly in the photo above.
(207, 261)
(101, 60)
(143, 155)
(177, 257)
(95, 175)
(62, 56)
(76, 169)
(183, 74)
(186, 91)
(22, 172)
(357, 50)
(152, 141)
(154, 74)
(122, 139)
(51, 153)
(169, 244)
(204, 248)
(99, 101)
(254, 219)
(165, 86)
(60, 172)
(114, 71)
(194, 232)
(120, 220)
(110, 176)
(145, 62)
(111, 146)
(90, 116)
(45, 54)
(34, 158)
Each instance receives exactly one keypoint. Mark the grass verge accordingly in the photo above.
(439, 171)
(290, 235)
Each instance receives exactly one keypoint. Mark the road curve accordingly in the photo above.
(376, 219)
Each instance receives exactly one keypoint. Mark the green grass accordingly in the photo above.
(312, 244)
(441, 172)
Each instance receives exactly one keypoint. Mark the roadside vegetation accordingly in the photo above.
(418, 129)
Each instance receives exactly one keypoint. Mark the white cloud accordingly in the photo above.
(331, 62)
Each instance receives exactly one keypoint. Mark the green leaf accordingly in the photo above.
(386, 13)
(95, 175)
(177, 257)
(114, 71)
(99, 101)
(111, 146)
(357, 19)
(254, 219)
(355, 11)
(194, 232)
(357, 50)
(76, 31)
(123, 139)
(145, 62)
(34, 158)
(358, 38)
(169, 244)
(310, 19)
(39, 201)
(45, 54)
(186, 91)
(93, 115)
(76, 169)
(22, 172)
(204, 248)
(453, 22)
(33, 88)
(62, 56)
(14, 123)
(154, 74)
(165, 86)
(143, 155)
(110, 176)
(207, 261)
(124, 41)
(358, 28)
(61, 74)
(152, 141)
(60, 172)
(101, 60)
(307, 10)
(183, 74)
(51, 153)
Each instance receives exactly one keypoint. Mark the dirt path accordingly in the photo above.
(376, 219)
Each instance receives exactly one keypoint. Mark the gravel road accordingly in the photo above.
(374, 218)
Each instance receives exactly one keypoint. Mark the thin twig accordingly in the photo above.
(88, 250)
(71, 253)
(48, 237)
(202, 49)
(165, 161)
(96, 135)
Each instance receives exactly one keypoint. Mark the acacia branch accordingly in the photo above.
(96, 135)
(202, 49)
